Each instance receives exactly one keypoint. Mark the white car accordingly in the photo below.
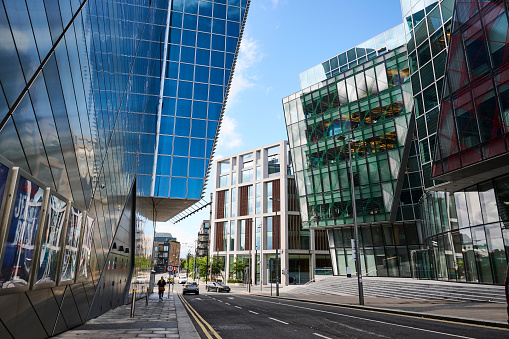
(182, 279)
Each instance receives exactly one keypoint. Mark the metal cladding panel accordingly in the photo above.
(45, 306)
(60, 326)
(70, 310)
(80, 298)
(58, 292)
(4, 334)
(20, 318)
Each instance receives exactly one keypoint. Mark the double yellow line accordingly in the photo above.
(205, 326)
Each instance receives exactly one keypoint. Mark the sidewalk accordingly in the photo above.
(160, 319)
(488, 314)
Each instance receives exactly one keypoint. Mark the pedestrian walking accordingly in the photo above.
(161, 283)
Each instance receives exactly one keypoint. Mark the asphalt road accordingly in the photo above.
(236, 315)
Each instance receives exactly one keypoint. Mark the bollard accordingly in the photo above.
(132, 304)
(146, 299)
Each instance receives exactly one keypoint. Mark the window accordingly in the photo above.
(156, 248)
(250, 200)
(226, 203)
(223, 180)
(165, 248)
(269, 196)
(248, 160)
(234, 178)
(242, 235)
(258, 172)
(273, 162)
(258, 201)
(224, 167)
(247, 175)
(234, 202)
(232, 235)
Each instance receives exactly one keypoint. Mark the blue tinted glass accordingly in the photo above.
(172, 70)
(215, 111)
(197, 166)
(179, 167)
(217, 59)
(185, 90)
(175, 36)
(234, 3)
(178, 5)
(188, 38)
(199, 110)
(203, 40)
(219, 26)
(178, 187)
(176, 19)
(145, 163)
(162, 186)
(218, 42)
(216, 93)
(229, 60)
(40, 27)
(182, 127)
(205, 8)
(244, 3)
(186, 72)
(211, 130)
(233, 29)
(202, 57)
(169, 104)
(202, 74)
(198, 147)
(174, 53)
(184, 108)
(220, 1)
(181, 146)
(204, 24)
(143, 185)
(190, 21)
(226, 75)
(234, 14)
(198, 130)
(200, 91)
(163, 165)
(208, 151)
(167, 125)
(219, 11)
(194, 188)
(216, 76)
(148, 142)
(191, 6)
(231, 45)
(165, 145)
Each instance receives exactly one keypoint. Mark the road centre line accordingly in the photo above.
(281, 321)
(238, 307)
(227, 303)
(360, 318)
(254, 312)
(322, 336)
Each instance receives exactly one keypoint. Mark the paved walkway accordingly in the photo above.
(158, 319)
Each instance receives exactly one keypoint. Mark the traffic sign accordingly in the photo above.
(169, 268)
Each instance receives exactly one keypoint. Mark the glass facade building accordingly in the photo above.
(106, 109)
(452, 194)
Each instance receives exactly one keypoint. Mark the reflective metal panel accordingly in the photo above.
(71, 245)
(20, 318)
(69, 310)
(45, 306)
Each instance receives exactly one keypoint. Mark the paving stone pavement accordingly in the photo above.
(158, 319)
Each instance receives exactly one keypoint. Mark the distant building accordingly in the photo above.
(254, 195)
(166, 251)
(202, 243)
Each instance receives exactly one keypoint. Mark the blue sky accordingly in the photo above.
(283, 38)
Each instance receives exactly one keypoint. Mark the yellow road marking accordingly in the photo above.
(197, 317)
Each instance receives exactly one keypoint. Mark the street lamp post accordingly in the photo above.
(277, 251)
(356, 227)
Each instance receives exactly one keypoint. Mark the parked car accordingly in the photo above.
(182, 279)
(191, 287)
(217, 286)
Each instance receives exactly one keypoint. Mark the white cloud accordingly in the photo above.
(229, 138)
(249, 55)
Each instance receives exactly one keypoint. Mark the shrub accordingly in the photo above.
(233, 281)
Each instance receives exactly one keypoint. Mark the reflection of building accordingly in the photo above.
(249, 190)
(437, 209)
(166, 251)
(202, 244)
(97, 128)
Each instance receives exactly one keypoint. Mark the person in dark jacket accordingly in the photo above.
(161, 283)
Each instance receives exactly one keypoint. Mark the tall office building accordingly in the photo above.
(451, 196)
(255, 211)
(108, 117)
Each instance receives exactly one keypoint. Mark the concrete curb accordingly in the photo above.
(470, 321)
(185, 325)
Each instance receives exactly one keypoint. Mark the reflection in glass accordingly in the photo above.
(86, 247)
(19, 248)
(51, 235)
(71, 245)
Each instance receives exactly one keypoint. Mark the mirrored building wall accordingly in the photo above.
(80, 88)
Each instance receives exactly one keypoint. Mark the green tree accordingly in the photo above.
(203, 266)
(238, 268)
(217, 266)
